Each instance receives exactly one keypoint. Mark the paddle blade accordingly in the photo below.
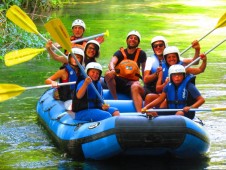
(20, 18)
(8, 91)
(59, 33)
(222, 21)
(219, 109)
(20, 56)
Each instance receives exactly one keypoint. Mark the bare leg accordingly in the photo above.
(163, 104)
(116, 113)
(110, 80)
(137, 91)
(150, 97)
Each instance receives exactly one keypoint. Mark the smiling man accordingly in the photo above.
(124, 69)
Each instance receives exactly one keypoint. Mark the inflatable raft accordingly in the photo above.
(125, 135)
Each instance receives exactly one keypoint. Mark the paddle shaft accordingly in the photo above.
(193, 109)
(198, 41)
(88, 38)
(205, 54)
(221, 23)
(84, 73)
(49, 85)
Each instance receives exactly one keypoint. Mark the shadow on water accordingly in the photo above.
(134, 163)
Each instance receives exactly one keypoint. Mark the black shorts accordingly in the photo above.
(123, 85)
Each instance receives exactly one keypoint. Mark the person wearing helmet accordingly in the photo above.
(172, 56)
(117, 78)
(86, 104)
(179, 93)
(78, 28)
(92, 51)
(154, 63)
(68, 73)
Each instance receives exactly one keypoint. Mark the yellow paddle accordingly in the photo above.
(20, 18)
(8, 91)
(20, 56)
(59, 33)
(221, 23)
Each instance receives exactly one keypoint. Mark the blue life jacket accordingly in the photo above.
(90, 99)
(66, 92)
(156, 64)
(72, 75)
(151, 86)
(177, 98)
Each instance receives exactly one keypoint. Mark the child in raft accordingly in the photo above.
(68, 73)
(180, 93)
(86, 104)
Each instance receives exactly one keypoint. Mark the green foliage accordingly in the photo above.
(14, 37)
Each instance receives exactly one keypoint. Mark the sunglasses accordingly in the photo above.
(158, 45)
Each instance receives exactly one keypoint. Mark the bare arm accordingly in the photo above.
(112, 63)
(199, 101)
(156, 102)
(150, 77)
(159, 84)
(53, 79)
(81, 92)
(201, 68)
(196, 46)
(56, 57)
(100, 39)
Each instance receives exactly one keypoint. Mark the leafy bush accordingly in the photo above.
(14, 37)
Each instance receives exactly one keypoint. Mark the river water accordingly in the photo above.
(25, 144)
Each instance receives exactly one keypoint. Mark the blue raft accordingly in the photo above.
(131, 134)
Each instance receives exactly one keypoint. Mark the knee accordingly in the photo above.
(116, 113)
(108, 76)
(136, 87)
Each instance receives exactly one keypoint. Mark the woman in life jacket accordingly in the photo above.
(68, 73)
(86, 104)
(180, 93)
(172, 56)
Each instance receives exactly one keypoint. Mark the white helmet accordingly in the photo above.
(94, 65)
(170, 50)
(78, 51)
(176, 68)
(159, 38)
(134, 32)
(78, 22)
(97, 44)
